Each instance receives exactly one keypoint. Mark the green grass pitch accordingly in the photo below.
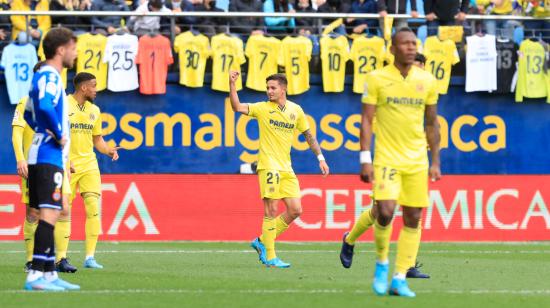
(190, 274)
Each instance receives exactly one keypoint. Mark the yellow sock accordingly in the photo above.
(280, 226)
(382, 235)
(91, 203)
(28, 234)
(407, 249)
(362, 224)
(62, 234)
(269, 231)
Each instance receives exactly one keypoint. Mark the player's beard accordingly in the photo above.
(90, 99)
(68, 63)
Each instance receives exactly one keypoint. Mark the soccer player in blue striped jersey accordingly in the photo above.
(47, 113)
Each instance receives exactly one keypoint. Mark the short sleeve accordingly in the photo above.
(370, 92)
(433, 95)
(249, 47)
(240, 52)
(301, 123)
(98, 131)
(168, 54)
(281, 56)
(309, 49)
(177, 43)
(107, 53)
(254, 110)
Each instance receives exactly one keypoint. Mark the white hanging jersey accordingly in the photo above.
(120, 53)
(18, 62)
(481, 63)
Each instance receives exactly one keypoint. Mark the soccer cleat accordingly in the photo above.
(260, 249)
(346, 254)
(28, 266)
(92, 263)
(65, 285)
(42, 284)
(399, 287)
(63, 266)
(380, 282)
(414, 272)
(278, 263)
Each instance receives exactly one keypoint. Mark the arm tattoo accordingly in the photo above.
(312, 141)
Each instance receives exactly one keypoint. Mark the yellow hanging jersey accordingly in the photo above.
(453, 33)
(531, 71)
(227, 55)
(42, 57)
(367, 55)
(400, 103)
(295, 56)
(90, 51)
(389, 55)
(192, 50)
(28, 132)
(262, 53)
(334, 55)
(277, 127)
(440, 57)
(85, 123)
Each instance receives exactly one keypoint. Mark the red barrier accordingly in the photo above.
(227, 207)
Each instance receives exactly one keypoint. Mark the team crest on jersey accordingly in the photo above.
(292, 116)
(56, 196)
(271, 189)
(381, 186)
(92, 117)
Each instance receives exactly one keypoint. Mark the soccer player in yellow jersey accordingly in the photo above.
(278, 119)
(404, 98)
(366, 220)
(22, 135)
(85, 118)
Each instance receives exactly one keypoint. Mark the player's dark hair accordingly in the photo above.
(82, 77)
(56, 38)
(420, 58)
(400, 30)
(37, 66)
(281, 78)
(157, 4)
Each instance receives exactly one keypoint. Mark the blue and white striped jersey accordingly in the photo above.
(47, 109)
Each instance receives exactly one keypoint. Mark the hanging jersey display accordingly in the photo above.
(440, 57)
(154, 56)
(531, 71)
(90, 50)
(334, 55)
(367, 55)
(481, 63)
(192, 50)
(120, 54)
(506, 65)
(227, 55)
(18, 62)
(262, 53)
(295, 57)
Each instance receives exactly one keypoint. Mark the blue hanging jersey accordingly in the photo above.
(47, 109)
(18, 62)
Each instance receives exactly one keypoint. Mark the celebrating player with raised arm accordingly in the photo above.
(278, 118)
(404, 98)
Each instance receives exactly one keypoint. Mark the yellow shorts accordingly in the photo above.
(276, 184)
(408, 186)
(88, 182)
(66, 189)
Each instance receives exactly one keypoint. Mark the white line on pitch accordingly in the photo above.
(199, 251)
(544, 292)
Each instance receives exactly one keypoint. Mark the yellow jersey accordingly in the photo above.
(389, 55)
(295, 56)
(227, 55)
(440, 57)
(531, 81)
(400, 103)
(277, 127)
(85, 123)
(367, 55)
(192, 50)
(262, 53)
(28, 132)
(90, 50)
(334, 55)
(42, 57)
(453, 33)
